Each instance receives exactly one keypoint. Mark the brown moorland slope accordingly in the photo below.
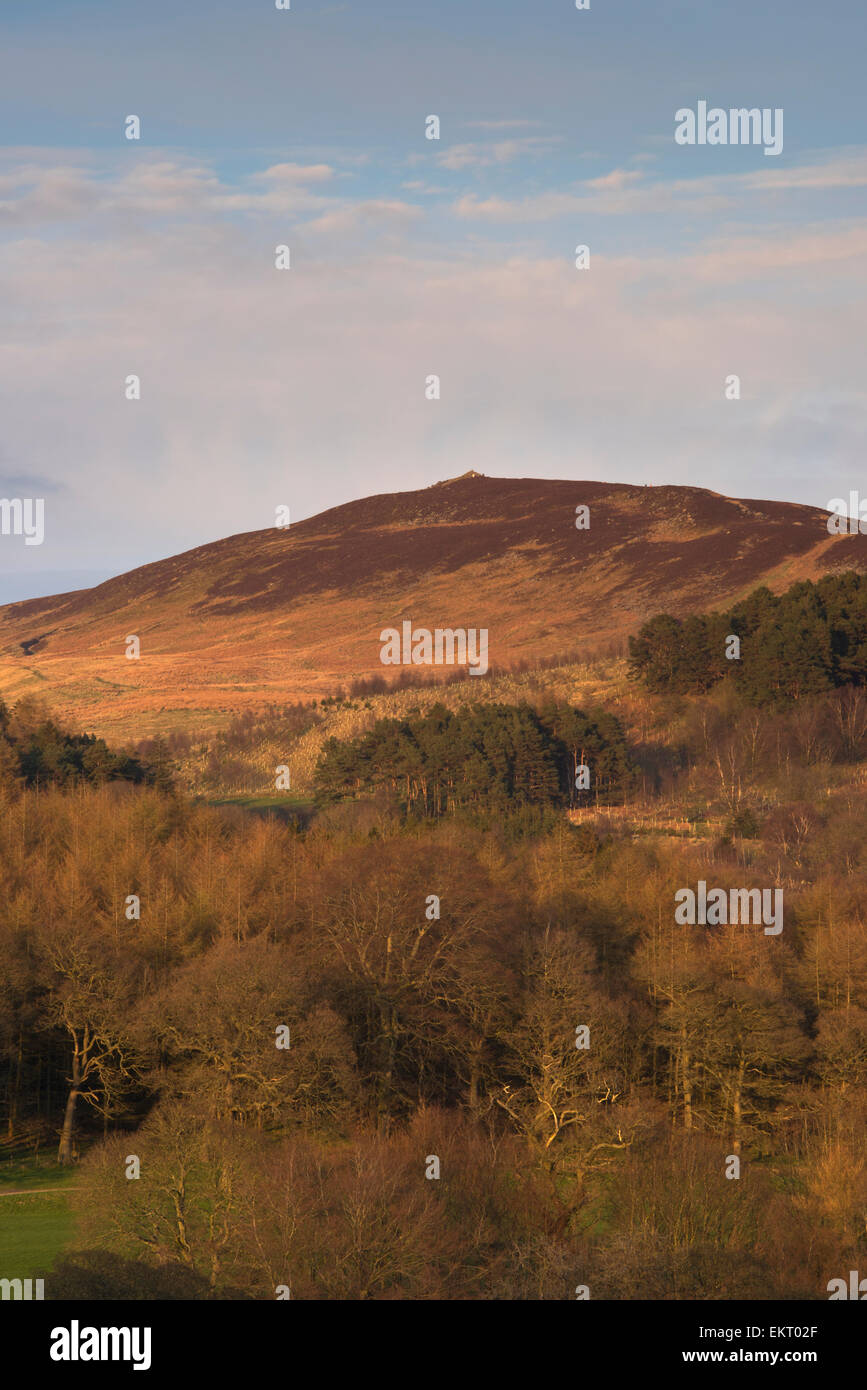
(283, 615)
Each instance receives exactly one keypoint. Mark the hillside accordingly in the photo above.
(277, 615)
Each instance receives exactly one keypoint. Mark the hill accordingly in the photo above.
(291, 614)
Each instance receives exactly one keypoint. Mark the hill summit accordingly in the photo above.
(470, 473)
(281, 615)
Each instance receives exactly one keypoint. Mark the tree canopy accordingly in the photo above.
(809, 640)
(489, 757)
(38, 752)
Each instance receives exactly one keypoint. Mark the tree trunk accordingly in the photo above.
(16, 1094)
(64, 1151)
(179, 1195)
(687, 1081)
(736, 1109)
(473, 1097)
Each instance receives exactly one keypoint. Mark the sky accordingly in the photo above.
(413, 257)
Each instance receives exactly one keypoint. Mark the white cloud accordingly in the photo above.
(36, 193)
(295, 173)
(476, 155)
(624, 191)
(307, 386)
(384, 214)
(617, 179)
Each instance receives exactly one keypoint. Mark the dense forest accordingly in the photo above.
(283, 1027)
(811, 639)
(495, 759)
(35, 750)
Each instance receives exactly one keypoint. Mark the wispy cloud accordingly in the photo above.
(261, 387)
(481, 155)
(384, 214)
(294, 174)
(37, 193)
(632, 191)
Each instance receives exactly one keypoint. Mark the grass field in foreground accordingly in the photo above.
(36, 1224)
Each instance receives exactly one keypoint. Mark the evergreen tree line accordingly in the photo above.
(38, 752)
(804, 642)
(488, 758)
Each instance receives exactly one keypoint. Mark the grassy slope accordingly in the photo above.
(37, 1225)
(599, 683)
(272, 616)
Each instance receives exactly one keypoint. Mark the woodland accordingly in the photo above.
(456, 955)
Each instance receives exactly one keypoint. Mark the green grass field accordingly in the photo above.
(36, 1223)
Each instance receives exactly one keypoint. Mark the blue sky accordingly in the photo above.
(412, 257)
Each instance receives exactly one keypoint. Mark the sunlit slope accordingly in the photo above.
(276, 615)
